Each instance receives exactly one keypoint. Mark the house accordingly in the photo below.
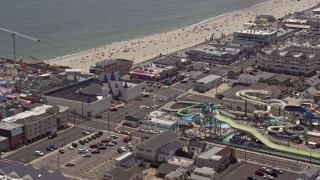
(178, 174)
(165, 169)
(217, 158)
(235, 72)
(314, 81)
(310, 173)
(151, 148)
(197, 147)
(20, 171)
(204, 173)
(168, 151)
(120, 173)
(185, 163)
(274, 90)
(4, 144)
(281, 79)
(308, 93)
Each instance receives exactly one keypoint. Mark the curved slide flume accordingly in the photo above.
(263, 138)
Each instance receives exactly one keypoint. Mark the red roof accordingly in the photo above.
(139, 73)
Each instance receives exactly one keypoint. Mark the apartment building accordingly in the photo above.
(262, 37)
(217, 158)
(41, 121)
(151, 148)
(288, 62)
(121, 66)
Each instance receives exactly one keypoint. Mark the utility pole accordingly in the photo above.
(74, 118)
(58, 162)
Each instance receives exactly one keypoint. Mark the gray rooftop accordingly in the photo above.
(159, 140)
(9, 125)
(203, 173)
(208, 78)
(310, 171)
(121, 173)
(166, 168)
(211, 153)
(172, 145)
(29, 170)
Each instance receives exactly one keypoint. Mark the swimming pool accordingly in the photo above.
(213, 123)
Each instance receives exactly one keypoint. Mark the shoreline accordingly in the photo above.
(143, 48)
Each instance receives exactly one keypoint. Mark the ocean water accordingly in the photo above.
(69, 26)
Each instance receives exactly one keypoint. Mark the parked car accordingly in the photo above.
(274, 174)
(129, 145)
(38, 153)
(113, 109)
(87, 155)
(110, 144)
(70, 147)
(54, 147)
(89, 138)
(86, 140)
(100, 132)
(95, 152)
(260, 173)
(102, 148)
(141, 130)
(114, 136)
(268, 176)
(85, 132)
(280, 171)
(50, 149)
(97, 135)
(162, 99)
(75, 145)
(70, 164)
(94, 136)
(122, 149)
(108, 139)
(61, 151)
(94, 146)
(52, 136)
(264, 169)
(82, 142)
(251, 178)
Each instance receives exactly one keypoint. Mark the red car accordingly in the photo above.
(61, 151)
(260, 173)
(94, 146)
(106, 140)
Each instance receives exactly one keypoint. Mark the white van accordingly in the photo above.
(312, 145)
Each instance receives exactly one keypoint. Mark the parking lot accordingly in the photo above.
(246, 170)
(86, 167)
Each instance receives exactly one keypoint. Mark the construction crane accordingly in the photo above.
(13, 33)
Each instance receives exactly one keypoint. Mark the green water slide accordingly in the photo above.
(184, 111)
(264, 139)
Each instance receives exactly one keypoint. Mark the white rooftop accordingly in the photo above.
(180, 161)
(211, 154)
(208, 78)
(33, 112)
(296, 21)
(257, 32)
(160, 121)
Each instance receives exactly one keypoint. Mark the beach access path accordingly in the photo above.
(142, 49)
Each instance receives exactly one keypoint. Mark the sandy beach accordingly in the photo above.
(140, 50)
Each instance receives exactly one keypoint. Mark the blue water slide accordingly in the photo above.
(310, 115)
(292, 108)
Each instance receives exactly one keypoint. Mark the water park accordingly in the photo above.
(289, 130)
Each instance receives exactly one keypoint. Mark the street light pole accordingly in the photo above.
(109, 121)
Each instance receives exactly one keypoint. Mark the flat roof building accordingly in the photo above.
(207, 83)
(261, 37)
(41, 121)
(120, 66)
(182, 162)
